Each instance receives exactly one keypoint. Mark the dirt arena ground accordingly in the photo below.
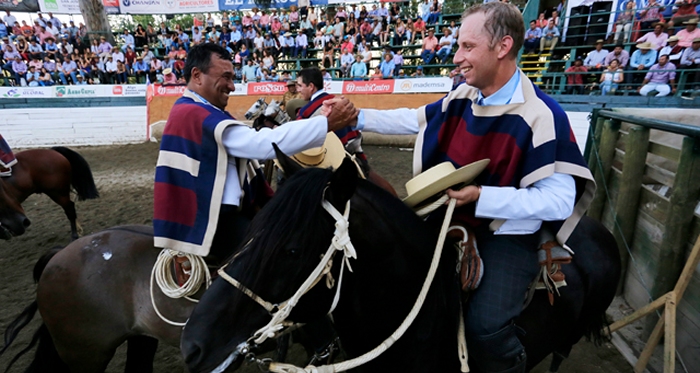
(124, 177)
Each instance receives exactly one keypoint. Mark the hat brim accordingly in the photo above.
(333, 153)
(462, 175)
(293, 105)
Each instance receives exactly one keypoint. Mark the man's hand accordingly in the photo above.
(468, 194)
(340, 112)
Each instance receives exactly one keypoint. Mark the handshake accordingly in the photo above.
(340, 112)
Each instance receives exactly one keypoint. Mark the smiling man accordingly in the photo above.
(537, 173)
(204, 197)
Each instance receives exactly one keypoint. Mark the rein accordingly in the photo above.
(340, 242)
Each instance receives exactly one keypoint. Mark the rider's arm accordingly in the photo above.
(551, 198)
(244, 142)
(388, 122)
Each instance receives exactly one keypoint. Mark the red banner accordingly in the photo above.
(171, 90)
(370, 87)
(267, 88)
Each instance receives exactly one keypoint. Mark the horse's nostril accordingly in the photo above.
(192, 353)
(26, 223)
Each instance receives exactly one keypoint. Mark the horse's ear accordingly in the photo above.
(343, 183)
(289, 167)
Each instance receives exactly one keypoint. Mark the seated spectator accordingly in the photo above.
(81, 81)
(691, 31)
(273, 76)
(117, 55)
(121, 73)
(156, 68)
(249, 72)
(184, 39)
(237, 72)
(326, 75)
(619, 54)
(418, 73)
(45, 78)
(4, 29)
(532, 38)
(348, 44)
(140, 36)
(104, 48)
(555, 18)
(68, 68)
(691, 60)
(686, 12)
(596, 58)
(27, 31)
(377, 74)
(541, 21)
(642, 59)
(660, 78)
(128, 40)
(457, 77)
(35, 50)
(179, 67)
(346, 62)
(169, 77)
(550, 37)
(366, 31)
(181, 53)
(574, 77)
(197, 37)
(398, 61)
(19, 67)
(358, 71)
(399, 33)
(51, 49)
(424, 10)
(650, 14)
(673, 50)
(624, 22)
(301, 45)
(657, 38)
(50, 67)
(435, 9)
(167, 62)
(428, 50)
(147, 55)
(328, 55)
(387, 66)
(43, 35)
(418, 28)
(446, 43)
(37, 63)
(289, 44)
(140, 69)
(111, 70)
(129, 59)
(611, 78)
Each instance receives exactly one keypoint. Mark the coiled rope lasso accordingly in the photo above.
(163, 275)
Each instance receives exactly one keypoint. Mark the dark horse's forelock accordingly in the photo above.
(293, 215)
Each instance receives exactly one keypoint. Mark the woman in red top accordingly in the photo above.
(541, 22)
(129, 56)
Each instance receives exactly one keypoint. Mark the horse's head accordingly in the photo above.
(13, 221)
(256, 109)
(283, 246)
(272, 108)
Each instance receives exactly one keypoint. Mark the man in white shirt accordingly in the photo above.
(110, 69)
(505, 211)
(258, 42)
(445, 45)
(215, 227)
(128, 40)
(117, 55)
(9, 19)
(346, 61)
(595, 60)
(301, 45)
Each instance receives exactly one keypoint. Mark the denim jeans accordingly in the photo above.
(427, 56)
(443, 54)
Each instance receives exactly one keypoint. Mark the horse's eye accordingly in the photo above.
(294, 252)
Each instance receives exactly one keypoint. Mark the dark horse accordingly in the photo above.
(49, 171)
(394, 248)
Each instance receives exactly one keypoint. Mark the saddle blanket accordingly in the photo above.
(7, 158)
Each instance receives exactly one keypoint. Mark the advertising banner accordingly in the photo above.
(229, 5)
(267, 88)
(60, 6)
(370, 87)
(25, 92)
(167, 6)
(111, 6)
(423, 85)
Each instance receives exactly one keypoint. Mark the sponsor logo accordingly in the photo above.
(170, 90)
(134, 90)
(63, 91)
(126, 2)
(406, 85)
(381, 86)
(117, 90)
(60, 91)
(424, 86)
(267, 88)
(327, 85)
(170, 3)
(12, 93)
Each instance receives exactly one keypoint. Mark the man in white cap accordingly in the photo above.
(523, 185)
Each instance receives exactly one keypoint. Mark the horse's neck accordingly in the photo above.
(383, 287)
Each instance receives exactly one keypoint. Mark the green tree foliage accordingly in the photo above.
(120, 22)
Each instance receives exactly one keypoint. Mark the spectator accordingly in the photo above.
(140, 36)
(691, 60)
(346, 62)
(328, 55)
(532, 38)
(111, 70)
(428, 50)
(366, 31)
(399, 33)
(574, 77)
(596, 58)
(16, 31)
(43, 35)
(80, 80)
(169, 77)
(50, 67)
(383, 32)
(167, 63)
(155, 69)
(418, 73)
(434, 12)
(121, 73)
(620, 54)
(685, 37)
(184, 39)
(73, 32)
(624, 22)
(4, 30)
(650, 14)
(301, 45)
(418, 29)
(19, 67)
(128, 39)
(237, 72)
(550, 37)
(305, 25)
(249, 71)
(68, 68)
(387, 66)
(611, 78)
(117, 55)
(377, 74)
(236, 38)
(541, 21)
(686, 12)
(326, 75)
(348, 44)
(104, 48)
(129, 59)
(45, 79)
(642, 59)
(383, 11)
(555, 18)
(289, 44)
(657, 37)
(9, 19)
(358, 71)
(35, 50)
(197, 37)
(673, 50)
(398, 61)
(147, 55)
(425, 10)
(141, 69)
(457, 77)
(258, 42)
(446, 43)
(660, 78)
(37, 63)
(27, 31)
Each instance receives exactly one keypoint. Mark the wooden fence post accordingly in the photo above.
(606, 152)
(684, 196)
(626, 205)
(595, 144)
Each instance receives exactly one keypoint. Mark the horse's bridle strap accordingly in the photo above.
(265, 304)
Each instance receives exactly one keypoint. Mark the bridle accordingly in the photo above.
(280, 311)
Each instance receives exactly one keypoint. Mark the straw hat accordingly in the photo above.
(696, 40)
(293, 105)
(600, 41)
(287, 34)
(645, 45)
(291, 82)
(167, 71)
(439, 178)
(693, 21)
(673, 38)
(331, 154)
